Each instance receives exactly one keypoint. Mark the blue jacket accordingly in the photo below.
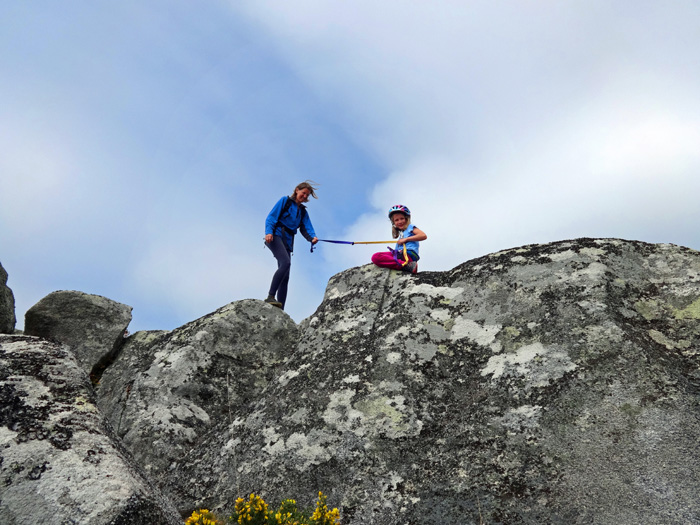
(292, 219)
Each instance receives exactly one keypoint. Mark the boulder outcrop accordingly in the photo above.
(168, 391)
(59, 462)
(91, 325)
(7, 305)
(552, 383)
(555, 383)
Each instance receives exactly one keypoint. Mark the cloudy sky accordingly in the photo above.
(145, 141)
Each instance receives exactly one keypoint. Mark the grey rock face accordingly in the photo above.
(59, 463)
(7, 305)
(168, 391)
(93, 326)
(554, 383)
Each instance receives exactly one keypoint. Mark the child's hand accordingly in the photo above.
(400, 241)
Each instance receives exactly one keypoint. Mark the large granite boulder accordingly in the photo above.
(7, 305)
(553, 383)
(91, 325)
(59, 462)
(168, 391)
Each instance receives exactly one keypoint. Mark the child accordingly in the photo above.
(408, 235)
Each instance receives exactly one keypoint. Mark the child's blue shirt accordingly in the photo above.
(411, 246)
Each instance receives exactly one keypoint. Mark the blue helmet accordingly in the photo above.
(399, 208)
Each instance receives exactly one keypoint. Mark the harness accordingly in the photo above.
(408, 255)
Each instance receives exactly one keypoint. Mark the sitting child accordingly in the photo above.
(405, 256)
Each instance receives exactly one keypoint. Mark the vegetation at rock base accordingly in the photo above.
(254, 511)
(202, 517)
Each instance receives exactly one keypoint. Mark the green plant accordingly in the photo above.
(202, 517)
(289, 514)
(323, 516)
(254, 511)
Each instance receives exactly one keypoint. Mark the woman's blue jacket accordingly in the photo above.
(285, 222)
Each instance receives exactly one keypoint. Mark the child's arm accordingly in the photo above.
(418, 235)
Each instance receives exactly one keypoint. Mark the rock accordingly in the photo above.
(554, 383)
(91, 325)
(7, 305)
(59, 462)
(168, 391)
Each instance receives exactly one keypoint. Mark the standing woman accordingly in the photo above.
(288, 215)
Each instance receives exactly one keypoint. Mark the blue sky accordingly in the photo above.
(144, 142)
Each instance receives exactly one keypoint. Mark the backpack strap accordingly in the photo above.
(290, 231)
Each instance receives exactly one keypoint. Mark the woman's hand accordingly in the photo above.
(268, 238)
(314, 240)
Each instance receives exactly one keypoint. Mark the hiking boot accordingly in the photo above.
(411, 266)
(274, 302)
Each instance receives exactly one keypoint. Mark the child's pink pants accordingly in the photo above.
(386, 260)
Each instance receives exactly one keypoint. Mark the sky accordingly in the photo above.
(143, 143)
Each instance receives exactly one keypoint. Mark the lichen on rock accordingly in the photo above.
(553, 383)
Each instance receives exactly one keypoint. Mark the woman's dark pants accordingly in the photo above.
(278, 287)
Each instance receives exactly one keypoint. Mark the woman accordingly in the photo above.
(288, 215)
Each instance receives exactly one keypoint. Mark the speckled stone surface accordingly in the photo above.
(91, 325)
(7, 305)
(59, 462)
(555, 383)
(552, 383)
(167, 393)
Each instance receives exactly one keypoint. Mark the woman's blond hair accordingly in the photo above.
(306, 185)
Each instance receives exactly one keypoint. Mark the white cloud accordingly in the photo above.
(498, 124)
(38, 173)
(196, 270)
(510, 123)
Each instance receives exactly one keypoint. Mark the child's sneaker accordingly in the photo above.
(411, 266)
(274, 302)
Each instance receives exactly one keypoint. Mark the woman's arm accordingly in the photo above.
(272, 218)
(307, 229)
